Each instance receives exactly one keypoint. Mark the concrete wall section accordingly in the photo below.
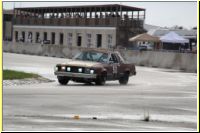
(180, 61)
(8, 29)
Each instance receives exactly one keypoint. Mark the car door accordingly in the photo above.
(114, 62)
(121, 66)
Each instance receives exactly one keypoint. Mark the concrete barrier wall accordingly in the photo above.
(180, 61)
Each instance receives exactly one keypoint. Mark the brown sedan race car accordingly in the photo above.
(95, 66)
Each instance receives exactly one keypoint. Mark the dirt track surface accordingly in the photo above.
(168, 96)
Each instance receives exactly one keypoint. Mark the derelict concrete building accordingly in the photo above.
(7, 25)
(94, 26)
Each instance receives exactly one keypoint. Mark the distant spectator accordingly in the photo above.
(113, 15)
(62, 15)
(106, 15)
(101, 15)
(125, 16)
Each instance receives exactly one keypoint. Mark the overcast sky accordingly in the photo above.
(157, 13)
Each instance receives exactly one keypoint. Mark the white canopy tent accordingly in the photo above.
(172, 37)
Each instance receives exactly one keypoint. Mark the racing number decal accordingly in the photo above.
(115, 64)
(115, 69)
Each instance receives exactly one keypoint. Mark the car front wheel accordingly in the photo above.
(124, 79)
(63, 80)
(101, 80)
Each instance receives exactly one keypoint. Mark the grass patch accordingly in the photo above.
(12, 74)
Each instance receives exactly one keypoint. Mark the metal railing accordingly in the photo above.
(79, 22)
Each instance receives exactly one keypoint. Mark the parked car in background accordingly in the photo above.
(194, 49)
(144, 47)
(46, 41)
(96, 66)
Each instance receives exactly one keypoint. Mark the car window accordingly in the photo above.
(113, 58)
(92, 56)
(118, 58)
(103, 58)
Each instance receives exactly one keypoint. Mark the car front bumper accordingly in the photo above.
(76, 75)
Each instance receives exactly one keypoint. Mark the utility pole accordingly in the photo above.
(121, 9)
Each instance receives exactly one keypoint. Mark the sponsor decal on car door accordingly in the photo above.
(115, 68)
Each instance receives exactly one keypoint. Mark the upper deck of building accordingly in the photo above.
(90, 15)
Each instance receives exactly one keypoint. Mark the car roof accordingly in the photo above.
(100, 50)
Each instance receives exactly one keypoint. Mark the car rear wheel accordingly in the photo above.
(124, 79)
(63, 80)
(101, 80)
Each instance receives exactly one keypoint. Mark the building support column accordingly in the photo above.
(26, 37)
(90, 13)
(33, 37)
(14, 39)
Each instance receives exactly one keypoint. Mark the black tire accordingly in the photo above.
(101, 80)
(124, 79)
(63, 80)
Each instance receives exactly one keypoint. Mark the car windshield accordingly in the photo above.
(92, 56)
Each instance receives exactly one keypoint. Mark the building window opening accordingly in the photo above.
(79, 39)
(69, 39)
(99, 40)
(30, 37)
(89, 40)
(38, 37)
(45, 36)
(113, 58)
(45, 41)
(61, 38)
(53, 38)
(16, 36)
(109, 40)
(22, 39)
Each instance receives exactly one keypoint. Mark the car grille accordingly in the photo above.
(74, 69)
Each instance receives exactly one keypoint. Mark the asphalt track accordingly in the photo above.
(168, 97)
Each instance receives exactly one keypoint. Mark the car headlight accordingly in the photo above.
(55, 68)
(68, 69)
(80, 70)
(91, 71)
(63, 67)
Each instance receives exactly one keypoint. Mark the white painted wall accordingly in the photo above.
(104, 31)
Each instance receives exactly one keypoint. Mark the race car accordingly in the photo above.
(95, 66)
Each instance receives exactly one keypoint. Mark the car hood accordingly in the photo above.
(82, 63)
